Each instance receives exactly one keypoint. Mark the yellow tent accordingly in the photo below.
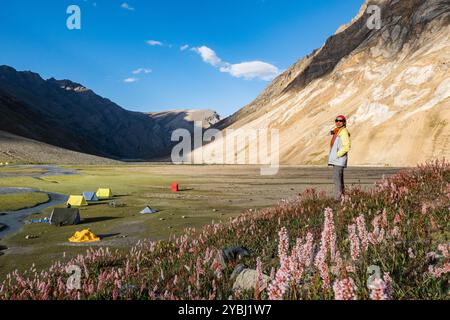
(77, 201)
(104, 193)
(84, 236)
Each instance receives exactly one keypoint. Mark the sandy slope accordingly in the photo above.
(18, 149)
(393, 84)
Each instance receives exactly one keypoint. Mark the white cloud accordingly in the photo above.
(154, 43)
(126, 6)
(130, 80)
(142, 70)
(185, 47)
(208, 55)
(252, 70)
(248, 70)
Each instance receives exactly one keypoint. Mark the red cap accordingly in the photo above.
(342, 117)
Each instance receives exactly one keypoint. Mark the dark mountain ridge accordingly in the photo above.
(68, 115)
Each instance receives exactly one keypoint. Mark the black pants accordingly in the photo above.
(338, 178)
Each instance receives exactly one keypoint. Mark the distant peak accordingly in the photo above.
(7, 68)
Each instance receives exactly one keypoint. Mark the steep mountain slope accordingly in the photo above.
(393, 84)
(68, 115)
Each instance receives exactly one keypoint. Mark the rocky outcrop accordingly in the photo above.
(185, 119)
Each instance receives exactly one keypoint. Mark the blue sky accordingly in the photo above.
(131, 51)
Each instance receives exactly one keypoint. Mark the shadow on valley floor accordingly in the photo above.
(97, 219)
(110, 235)
(2, 248)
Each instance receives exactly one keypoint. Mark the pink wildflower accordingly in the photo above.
(381, 289)
(437, 272)
(283, 245)
(344, 289)
(297, 262)
(338, 266)
(307, 250)
(411, 253)
(362, 232)
(443, 248)
(217, 268)
(424, 208)
(329, 233)
(377, 236)
(322, 266)
(259, 279)
(388, 284)
(354, 242)
(384, 220)
(328, 242)
(280, 285)
(395, 233)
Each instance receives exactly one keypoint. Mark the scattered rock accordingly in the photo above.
(234, 253)
(183, 217)
(246, 280)
(162, 219)
(239, 268)
(214, 210)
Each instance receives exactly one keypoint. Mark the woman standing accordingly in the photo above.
(338, 158)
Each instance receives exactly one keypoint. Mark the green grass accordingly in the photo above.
(23, 171)
(18, 201)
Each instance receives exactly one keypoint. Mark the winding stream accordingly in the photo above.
(14, 220)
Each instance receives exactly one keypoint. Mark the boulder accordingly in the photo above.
(246, 280)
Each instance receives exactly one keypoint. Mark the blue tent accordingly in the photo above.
(90, 196)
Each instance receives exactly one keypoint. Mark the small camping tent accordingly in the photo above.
(175, 187)
(77, 201)
(104, 193)
(65, 217)
(148, 210)
(90, 196)
(84, 236)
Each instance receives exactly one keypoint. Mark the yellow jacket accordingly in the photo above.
(340, 148)
(346, 143)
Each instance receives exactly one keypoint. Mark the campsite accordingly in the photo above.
(254, 150)
(213, 193)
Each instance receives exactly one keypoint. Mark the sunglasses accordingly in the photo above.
(339, 120)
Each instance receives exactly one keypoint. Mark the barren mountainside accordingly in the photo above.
(66, 114)
(393, 84)
(16, 149)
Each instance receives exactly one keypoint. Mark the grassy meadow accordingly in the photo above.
(308, 248)
(17, 201)
(209, 194)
